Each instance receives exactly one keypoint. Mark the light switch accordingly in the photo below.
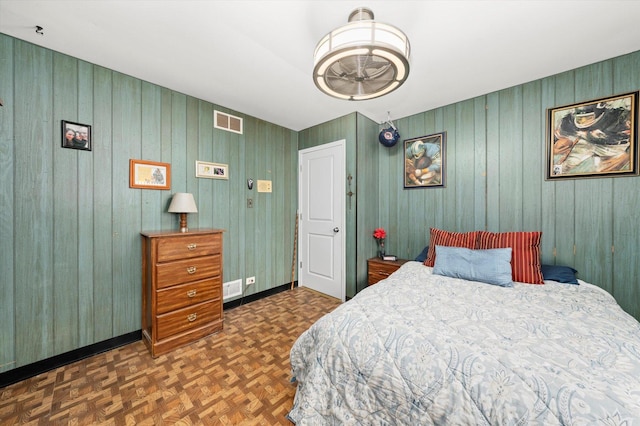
(264, 186)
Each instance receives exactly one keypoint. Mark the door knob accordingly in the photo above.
(336, 229)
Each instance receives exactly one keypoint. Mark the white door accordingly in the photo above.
(321, 207)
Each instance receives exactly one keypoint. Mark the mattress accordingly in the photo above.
(419, 348)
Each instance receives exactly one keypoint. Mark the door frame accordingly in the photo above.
(340, 177)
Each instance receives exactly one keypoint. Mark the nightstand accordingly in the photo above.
(378, 269)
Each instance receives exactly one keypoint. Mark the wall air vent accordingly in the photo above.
(224, 121)
(231, 289)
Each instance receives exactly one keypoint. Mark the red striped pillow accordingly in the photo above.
(525, 257)
(449, 239)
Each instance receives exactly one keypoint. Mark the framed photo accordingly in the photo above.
(593, 139)
(424, 161)
(76, 135)
(149, 174)
(212, 170)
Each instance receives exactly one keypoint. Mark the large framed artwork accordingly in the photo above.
(149, 174)
(591, 139)
(424, 161)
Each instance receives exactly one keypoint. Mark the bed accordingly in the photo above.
(421, 348)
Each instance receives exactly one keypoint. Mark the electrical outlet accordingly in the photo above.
(249, 203)
(251, 281)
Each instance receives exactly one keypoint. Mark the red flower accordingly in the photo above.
(379, 234)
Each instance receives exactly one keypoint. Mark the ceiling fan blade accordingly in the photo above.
(359, 74)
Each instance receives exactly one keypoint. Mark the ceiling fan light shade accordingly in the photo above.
(361, 60)
(326, 89)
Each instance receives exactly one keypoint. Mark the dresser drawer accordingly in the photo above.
(187, 247)
(180, 296)
(189, 318)
(184, 271)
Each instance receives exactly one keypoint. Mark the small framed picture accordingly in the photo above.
(424, 161)
(149, 174)
(76, 135)
(591, 139)
(212, 170)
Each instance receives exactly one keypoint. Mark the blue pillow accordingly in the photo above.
(423, 255)
(561, 274)
(492, 266)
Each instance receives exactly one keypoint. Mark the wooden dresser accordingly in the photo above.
(181, 287)
(378, 269)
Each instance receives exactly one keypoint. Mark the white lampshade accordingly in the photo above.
(183, 202)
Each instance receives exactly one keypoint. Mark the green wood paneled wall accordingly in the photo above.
(69, 236)
(366, 195)
(495, 180)
(7, 245)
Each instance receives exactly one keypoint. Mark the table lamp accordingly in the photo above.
(183, 203)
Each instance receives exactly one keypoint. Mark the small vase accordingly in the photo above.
(381, 248)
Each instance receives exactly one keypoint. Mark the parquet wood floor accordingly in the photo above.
(240, 376)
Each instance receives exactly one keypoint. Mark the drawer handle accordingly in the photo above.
(386, 274)
(191, 270)
(192, 246)
(192, 317)
(192, 293)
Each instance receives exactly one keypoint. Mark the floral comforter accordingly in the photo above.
(421, 349)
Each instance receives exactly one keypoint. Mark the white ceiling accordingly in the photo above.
(256, 57)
